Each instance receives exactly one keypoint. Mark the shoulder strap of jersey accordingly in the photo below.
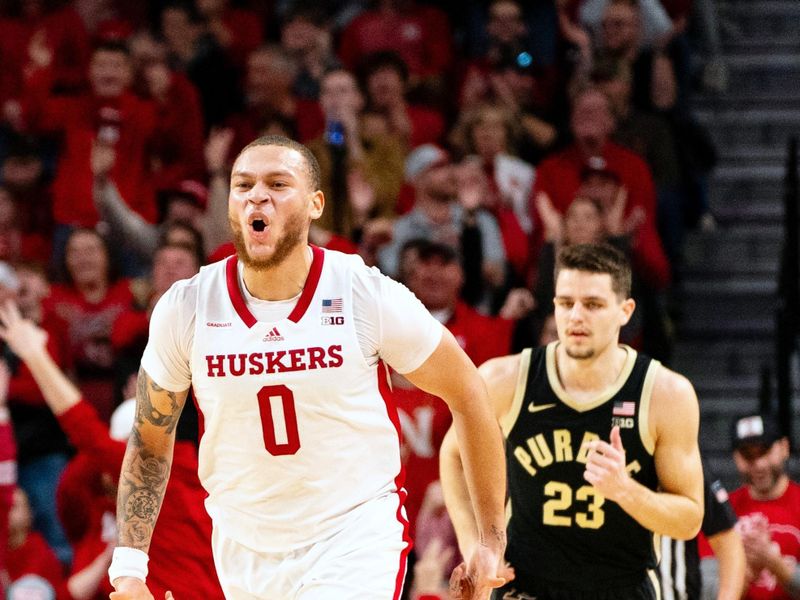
(510, 417)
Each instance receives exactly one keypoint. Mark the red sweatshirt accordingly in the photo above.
(79, 120)
(560, 177)
(8, 482)
(35, 557)
(180, 553)
(420, 35)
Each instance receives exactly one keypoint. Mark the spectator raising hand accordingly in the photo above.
(102, 159)
(617, 224)
(361, 196)
(430, 569)
(552, 220)
(40, 55)
(217, 150)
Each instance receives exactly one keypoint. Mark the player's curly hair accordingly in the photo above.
(597, 258)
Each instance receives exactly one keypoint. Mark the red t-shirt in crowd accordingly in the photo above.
(62, 31)
(783, 515)
(420, 35)
(180, 553)
(128, 122)
(246, 32)
(427, 126)
(8, 482)
(35, 557)
(89, 331)
(481, 337)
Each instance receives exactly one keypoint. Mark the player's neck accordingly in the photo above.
(590, 375)
(282, 281)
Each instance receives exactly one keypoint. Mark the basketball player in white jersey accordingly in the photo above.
(286, 349)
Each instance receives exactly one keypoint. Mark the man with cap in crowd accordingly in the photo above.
(445, 212)
(560, 176)
(768, 506)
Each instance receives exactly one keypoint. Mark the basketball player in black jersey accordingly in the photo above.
(601, 447)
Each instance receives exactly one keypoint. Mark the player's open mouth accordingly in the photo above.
(258, 225)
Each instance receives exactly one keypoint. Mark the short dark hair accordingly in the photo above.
(113, 46)
(312, 165)
(426, 251)
(194, 251)
(197, 247)
(597, 258)
(383, 59)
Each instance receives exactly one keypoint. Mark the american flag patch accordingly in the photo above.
(720, 492)
(624, 409)
(332, 305)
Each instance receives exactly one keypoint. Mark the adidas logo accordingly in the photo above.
(273, 336)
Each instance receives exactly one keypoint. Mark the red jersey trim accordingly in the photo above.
(235, 293)
(310, 287)
(391, 409)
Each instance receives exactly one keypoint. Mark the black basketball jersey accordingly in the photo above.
(561, 531)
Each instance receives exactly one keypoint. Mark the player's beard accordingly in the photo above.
(293, 235)
(584, 354)
(774, 476)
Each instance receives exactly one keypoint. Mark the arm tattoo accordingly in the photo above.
(147, 463)
(165, 414)
(496, 534)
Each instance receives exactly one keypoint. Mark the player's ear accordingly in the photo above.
(627, 307)
(317, 202)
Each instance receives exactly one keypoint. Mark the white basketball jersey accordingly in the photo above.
(298, 427)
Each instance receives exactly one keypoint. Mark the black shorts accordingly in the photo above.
(646, 589)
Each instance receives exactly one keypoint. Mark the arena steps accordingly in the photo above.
(728, 290)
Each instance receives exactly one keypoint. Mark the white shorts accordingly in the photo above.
(364, 561)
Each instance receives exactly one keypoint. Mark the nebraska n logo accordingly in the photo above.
(273, 336)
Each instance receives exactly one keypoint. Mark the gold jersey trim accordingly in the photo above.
(508, 420)
(657, 537)
(656, 583)
(645, 432)
(605, 396)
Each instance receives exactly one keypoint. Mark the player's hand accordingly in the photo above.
(476, 578)
(131, 588)
(605, 467)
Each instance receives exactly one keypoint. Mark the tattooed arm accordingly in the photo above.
(147, 463)
(145, 469)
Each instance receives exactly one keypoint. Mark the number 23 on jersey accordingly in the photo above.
(556, 510)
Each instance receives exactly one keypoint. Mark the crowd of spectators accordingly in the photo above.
(460, 145)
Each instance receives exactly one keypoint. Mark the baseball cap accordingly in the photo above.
(597, 165)
(755, 429)
(192, 190)
(121, 423)
(424, 157)
(8, 277)
(31, 587)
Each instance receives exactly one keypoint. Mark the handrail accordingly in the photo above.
(787, 319)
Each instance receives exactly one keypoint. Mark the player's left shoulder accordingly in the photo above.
(673, 402)
(672, 385)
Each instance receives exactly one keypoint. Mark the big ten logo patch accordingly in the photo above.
(331, 320)
(623, 422)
